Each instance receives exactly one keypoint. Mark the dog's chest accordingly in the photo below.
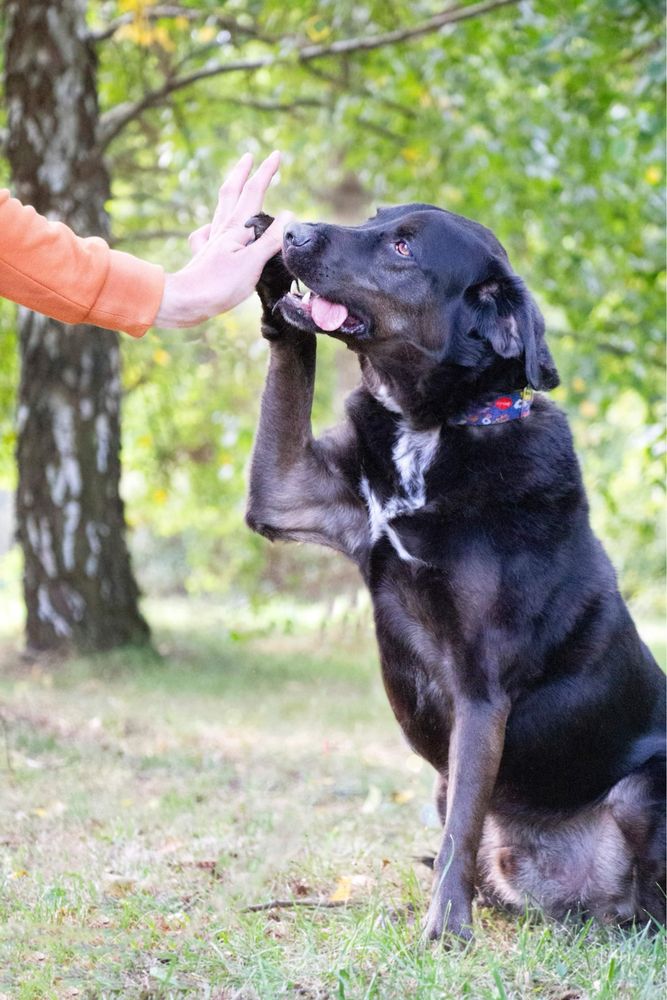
(404, 492)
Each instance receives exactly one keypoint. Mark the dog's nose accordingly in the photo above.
(298, 234)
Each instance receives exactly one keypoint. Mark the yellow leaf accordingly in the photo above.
(161, 357)
(135, 6)
(410, 154)
(316, 30)
(54, 808)
(343, 890)
(118, 885)
(135, 32)
(175, 922)
(162, 38)
(207, 33)
(141, 32)
(578, 384)
(653, 174)
(400, 798)
(159, 496)
(588, 408)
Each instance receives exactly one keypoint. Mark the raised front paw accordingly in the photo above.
(275, 279)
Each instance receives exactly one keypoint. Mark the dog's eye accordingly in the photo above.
(400, 246)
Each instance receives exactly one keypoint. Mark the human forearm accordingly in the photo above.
(46, 267)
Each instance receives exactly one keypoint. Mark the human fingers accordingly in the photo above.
(271, 241)
(233, 237)
(252, 196)
(199, 238)
(230, 192)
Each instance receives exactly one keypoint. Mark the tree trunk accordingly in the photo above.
(78, 583)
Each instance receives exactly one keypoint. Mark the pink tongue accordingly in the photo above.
(327, 315)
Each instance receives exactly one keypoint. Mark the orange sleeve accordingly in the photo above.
(46, 267)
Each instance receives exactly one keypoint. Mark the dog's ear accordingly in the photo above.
(505, 315)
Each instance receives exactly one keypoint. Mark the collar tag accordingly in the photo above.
(510, 406)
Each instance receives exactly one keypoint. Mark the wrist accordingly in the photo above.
(178, 307)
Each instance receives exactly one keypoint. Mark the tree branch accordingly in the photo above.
(257, 104)
(171, 12)
(117, 118)
(340, 84)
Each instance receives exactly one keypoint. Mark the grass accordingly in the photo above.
(148, 799)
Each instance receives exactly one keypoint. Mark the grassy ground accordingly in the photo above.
(149, 799)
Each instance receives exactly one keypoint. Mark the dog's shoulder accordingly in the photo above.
(543, 456)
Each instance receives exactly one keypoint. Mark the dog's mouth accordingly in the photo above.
(316, 313)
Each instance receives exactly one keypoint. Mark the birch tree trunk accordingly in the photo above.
(78, 583)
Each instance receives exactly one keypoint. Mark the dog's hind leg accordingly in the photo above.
(475, 749)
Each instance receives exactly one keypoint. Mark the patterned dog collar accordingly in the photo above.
(510, 406)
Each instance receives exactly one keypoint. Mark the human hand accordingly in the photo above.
(227, 261)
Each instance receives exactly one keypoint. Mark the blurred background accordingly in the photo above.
(543, 120)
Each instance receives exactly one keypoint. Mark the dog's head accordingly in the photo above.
(421, 286)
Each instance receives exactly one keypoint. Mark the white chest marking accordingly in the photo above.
(384, 397)
(413, 454)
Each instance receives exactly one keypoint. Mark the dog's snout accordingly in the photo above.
(298, 234)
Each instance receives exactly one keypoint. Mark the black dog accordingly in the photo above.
(508, 655)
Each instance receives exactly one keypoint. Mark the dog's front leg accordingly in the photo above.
(475, 749)
(284, 433)
(300, 488)
(279, 472)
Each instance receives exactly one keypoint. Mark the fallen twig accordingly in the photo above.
(284, 904)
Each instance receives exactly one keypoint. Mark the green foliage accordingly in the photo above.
(543, 120)
(9, 374)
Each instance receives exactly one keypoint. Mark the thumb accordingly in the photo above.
(199, 238)
(271, 241)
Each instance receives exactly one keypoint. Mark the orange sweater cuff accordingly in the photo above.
(133, 282)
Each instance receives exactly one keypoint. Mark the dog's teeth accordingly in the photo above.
(294, 287)
(306, 296)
